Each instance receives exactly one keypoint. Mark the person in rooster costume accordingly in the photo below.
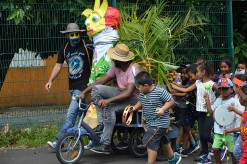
(101, 24)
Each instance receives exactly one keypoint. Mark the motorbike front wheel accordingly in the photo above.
(68, 151)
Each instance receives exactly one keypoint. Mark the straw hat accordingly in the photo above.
(121, 52)
(72, 27)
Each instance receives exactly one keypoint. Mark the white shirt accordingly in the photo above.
(238, 106)
(200, 101)
(217, 128)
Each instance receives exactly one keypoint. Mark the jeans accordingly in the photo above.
(107, 115)
(71, 115)
(237, 150)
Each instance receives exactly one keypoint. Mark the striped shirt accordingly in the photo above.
(150, 102)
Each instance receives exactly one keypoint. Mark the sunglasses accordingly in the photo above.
(74, 35)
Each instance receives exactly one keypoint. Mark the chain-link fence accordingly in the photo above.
(27, 55)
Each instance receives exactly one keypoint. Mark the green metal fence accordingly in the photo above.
(41, 35)
(213, 41)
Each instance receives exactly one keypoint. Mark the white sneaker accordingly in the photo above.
(223, 152)
(193, 149)
(211, 152)
(89, 145)
(52, 144)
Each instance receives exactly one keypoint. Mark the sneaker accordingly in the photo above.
(176, 159)
(223, 153)
(197, 140)
(205, 160)
(193, 149)
(211, 152)
(181, 152)
(122, 145)
(99, 128)
(199, 158)
(89, 145)
(141, 146)
(184, 153)
(178, 150)
(103, 149)
(52, 144)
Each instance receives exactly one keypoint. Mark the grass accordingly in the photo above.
(35, 136)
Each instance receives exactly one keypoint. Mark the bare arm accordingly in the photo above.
(137, 106)
(215, 87)
(232, 108)
(182, 86)
(186, 90)
(165, 107)
(179, 94)
(232, 130)
(53, 75)
(122, 96)
(127, 93)
(103, 80)
(208, 104)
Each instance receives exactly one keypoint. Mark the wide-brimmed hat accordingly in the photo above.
(121, 52)
(72, 27)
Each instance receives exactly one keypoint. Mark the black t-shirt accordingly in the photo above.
(79, 64)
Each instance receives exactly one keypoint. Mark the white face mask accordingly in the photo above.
(240, 72)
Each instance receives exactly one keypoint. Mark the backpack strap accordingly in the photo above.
(64, 50)
(90, 64)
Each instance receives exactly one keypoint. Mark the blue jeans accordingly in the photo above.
(71, 114)
(108, 114)
(237, 150)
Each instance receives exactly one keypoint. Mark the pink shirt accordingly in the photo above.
(123, 78)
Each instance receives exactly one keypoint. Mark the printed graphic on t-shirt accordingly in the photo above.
(75, 64)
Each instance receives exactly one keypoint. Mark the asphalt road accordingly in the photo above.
(45, 155)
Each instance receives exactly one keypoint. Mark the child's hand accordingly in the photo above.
(227, 75)
(131, 109)
(231, 108)
(227, 131)
(103, 103)
(159, 111)
(205, 96)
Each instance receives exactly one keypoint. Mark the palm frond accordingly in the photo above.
(158, 34)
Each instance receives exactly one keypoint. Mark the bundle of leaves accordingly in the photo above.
(153, 35)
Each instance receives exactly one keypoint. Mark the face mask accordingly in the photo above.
(242, 72)
(74, 38)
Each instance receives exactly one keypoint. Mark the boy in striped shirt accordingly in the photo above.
(155, 103)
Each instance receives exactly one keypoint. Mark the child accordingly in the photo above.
(225, 89)
(225, 69)
(155, 103)
(241, 68)
(243, 125)
(187, 115)
(205, 121)
(238, 82)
